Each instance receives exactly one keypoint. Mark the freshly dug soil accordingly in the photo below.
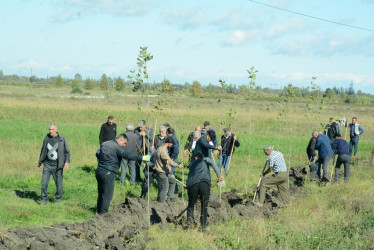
(126, 226)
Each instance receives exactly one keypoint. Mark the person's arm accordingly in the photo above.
(237, 143)
(101, 134)
(210, 162)
(361, 129)
(42, 152)
(318, 144)
(175, 153)
(67, 154)
(128, 155)
(334, 145)
(188, 142)
(266, 172)
(206, 143)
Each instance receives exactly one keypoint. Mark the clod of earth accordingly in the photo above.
(126, 226)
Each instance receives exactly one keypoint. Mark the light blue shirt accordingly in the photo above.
(277, 162)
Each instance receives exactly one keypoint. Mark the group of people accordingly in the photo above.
(138, 147)
(325, 145)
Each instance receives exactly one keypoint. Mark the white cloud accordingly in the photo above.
(238, 37)
(185, 18)
(283, 29)
(73, 9)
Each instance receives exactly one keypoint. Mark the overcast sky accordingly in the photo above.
(192, 40)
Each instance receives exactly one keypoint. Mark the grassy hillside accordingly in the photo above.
(339, 215)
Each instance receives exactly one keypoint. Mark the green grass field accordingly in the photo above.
(337, 216)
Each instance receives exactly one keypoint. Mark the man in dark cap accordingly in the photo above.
(228, 140)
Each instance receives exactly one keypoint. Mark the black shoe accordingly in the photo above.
(172, 199)
(57, 200)
(325, 180)
(205, 231)
(42, 202)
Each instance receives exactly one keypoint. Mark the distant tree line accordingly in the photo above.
(78, 85)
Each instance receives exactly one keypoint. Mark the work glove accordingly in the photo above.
(146, 158)
(221, 184)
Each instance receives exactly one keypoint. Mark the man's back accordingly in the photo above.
(133, 142)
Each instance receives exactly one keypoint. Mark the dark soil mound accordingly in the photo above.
(126, 226)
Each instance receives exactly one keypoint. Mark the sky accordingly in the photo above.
(192, 40)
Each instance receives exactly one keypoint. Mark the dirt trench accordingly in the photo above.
(126, 226)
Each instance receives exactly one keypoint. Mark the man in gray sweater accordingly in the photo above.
(55, 155)
(132, 146)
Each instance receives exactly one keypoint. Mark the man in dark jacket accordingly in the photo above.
(333, 129)
(203, 146)
(108, 130)
(341, 146)
(160, 138)
(227, 142)
(108, 158)
(55, 155)
(131, 146)
(190, 141)
(198, 185)
(312, 153)
(174, 149)
(325, 153)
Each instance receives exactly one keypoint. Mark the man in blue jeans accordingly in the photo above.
(227, 143)
(55, 155)
(355, 131)
(325, 153)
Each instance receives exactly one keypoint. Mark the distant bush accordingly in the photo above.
(86, 93)
(76, 91)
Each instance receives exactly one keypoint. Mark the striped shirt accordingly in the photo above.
(277, 162)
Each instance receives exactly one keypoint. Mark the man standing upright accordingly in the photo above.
(145, 142)
(174, 149)
(279, 179)
(191, 140)
(131, 146)
(333, 129)
(55, 155)
(108, 130)
(160, 138)
(227, 142)
(355, 131)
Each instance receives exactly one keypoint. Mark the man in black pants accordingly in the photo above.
(108, 157)
(341, 146)
(108, 130)
(198, 184)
